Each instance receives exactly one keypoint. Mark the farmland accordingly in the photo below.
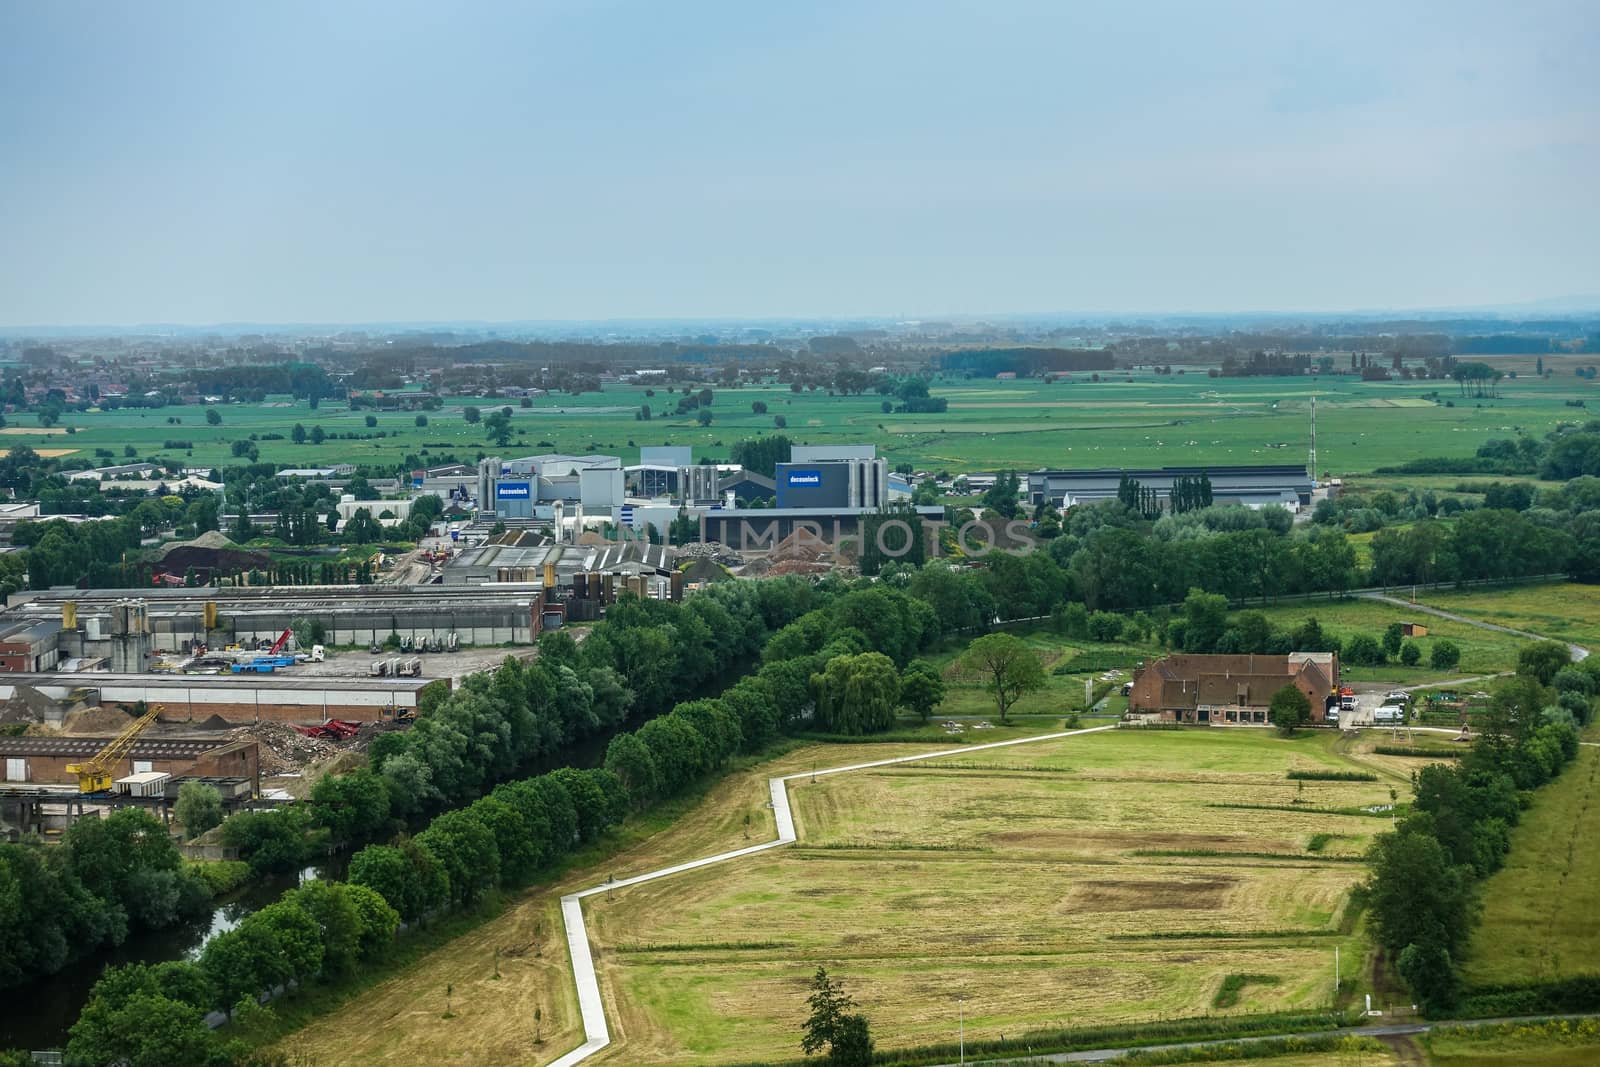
(1116, 906)
(1114, 909)
(1134, 418)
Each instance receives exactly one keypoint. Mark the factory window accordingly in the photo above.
(16, 769)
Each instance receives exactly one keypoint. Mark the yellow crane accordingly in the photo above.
(95, 774)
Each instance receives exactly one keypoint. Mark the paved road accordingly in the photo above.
(591, 1008)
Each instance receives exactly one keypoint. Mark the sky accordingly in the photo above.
(391, 161)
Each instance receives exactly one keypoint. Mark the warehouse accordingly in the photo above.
(1253, 486)
(44, 760)
(233, 697)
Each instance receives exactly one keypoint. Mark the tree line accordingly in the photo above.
(1422, 891)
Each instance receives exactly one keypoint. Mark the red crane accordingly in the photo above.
(277, 646)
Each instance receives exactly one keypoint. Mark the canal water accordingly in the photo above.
(37, 1015)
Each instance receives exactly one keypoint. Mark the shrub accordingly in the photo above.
(1446, 655)
(1364, 650)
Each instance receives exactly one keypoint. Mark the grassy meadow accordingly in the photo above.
(1567, 611)
(1128, 419)
(1539, 910)
(1482, 651)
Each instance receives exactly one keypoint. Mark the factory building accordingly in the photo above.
(527, 489)
(833, 476)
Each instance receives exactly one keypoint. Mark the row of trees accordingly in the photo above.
(1422, 889)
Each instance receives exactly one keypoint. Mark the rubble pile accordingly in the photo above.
(284, 750)
(709, 550)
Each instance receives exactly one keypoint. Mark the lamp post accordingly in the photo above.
(961, 1024)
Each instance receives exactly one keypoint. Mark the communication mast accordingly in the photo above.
(1311, 460)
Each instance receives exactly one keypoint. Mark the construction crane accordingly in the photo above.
(95, 775)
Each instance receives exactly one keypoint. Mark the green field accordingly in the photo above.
(1029, 880)
(1482, 651)
(1539, 911)
(1566, 611)
(1566, 1043)
(1126, 420)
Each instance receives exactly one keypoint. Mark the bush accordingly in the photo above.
(199, 808)
(1364, 650)
(221, 876)
(1446, 656)
(1410, 654)
(1105, 626)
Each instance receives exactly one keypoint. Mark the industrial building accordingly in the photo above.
(233, 697)
(1252, 486)
(669, 472)
(44, 760)
(528, 489)
(833, 476)
(174, 618)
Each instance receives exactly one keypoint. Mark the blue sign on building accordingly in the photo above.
(511, 490)
(805, 477)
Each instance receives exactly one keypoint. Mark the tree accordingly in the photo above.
(759, 407)
(1289, 709)
(371, 421)
(353, 806)
(318, 434)
(857, 694)
(921, 688)
(1363, 650)
(213, 417)
(779, 422)
(1416, 895)
(421, 420)
(498, 424)
(1444, 656)
(298, 434)
(1005, 664)
(1001, 498)
(703, 417)
(826, 1025)
(1393, 636)
(142, 1029)
(471, 414)
(1410, 654)
(1542, 660)
(199, 808)
(1428, 969)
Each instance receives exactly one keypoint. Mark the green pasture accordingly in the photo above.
(1126, 420)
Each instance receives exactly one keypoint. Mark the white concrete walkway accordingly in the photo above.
(595, 1032)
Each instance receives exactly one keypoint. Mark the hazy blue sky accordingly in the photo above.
(339, 161)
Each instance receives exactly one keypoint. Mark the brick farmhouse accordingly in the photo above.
(1231, 690)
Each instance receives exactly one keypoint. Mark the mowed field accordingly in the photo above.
(1128, 419)
(1539, 911)
(1073, 881)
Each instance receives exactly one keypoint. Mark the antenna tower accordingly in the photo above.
(1311, 460)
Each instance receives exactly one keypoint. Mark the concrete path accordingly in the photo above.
(596, 1034)
(1578, 651)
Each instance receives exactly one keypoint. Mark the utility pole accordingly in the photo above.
(961, 1009)
(1336, 973)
